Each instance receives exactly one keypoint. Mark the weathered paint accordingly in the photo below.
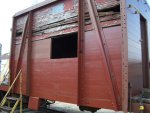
(57, 79)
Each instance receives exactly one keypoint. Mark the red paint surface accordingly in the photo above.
(34, 103)
(96, 85)
(4, 88)
(56, 79)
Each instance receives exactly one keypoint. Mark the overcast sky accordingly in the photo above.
(7, 9)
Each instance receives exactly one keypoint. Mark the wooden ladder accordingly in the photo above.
(7, 99)
(14, 100)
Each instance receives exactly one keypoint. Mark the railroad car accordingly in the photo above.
(93, 53)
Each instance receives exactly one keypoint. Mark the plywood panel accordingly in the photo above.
(96, 90)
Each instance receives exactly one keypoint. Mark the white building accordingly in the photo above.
(0, 56)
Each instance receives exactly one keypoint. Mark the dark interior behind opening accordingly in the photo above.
(64, 46)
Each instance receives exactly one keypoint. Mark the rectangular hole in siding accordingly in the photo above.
(64, 46)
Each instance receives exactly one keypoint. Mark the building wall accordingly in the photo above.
(0, 56)
(136, 9)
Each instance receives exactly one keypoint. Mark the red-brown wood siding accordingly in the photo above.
(96, 90)
(57, 79)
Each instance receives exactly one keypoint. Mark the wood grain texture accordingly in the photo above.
(55, 79)
(44, 21)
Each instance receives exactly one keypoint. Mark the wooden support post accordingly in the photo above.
(12, 53)
(104, 48)
(29, 52)
(22, 48)
(81, 41)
